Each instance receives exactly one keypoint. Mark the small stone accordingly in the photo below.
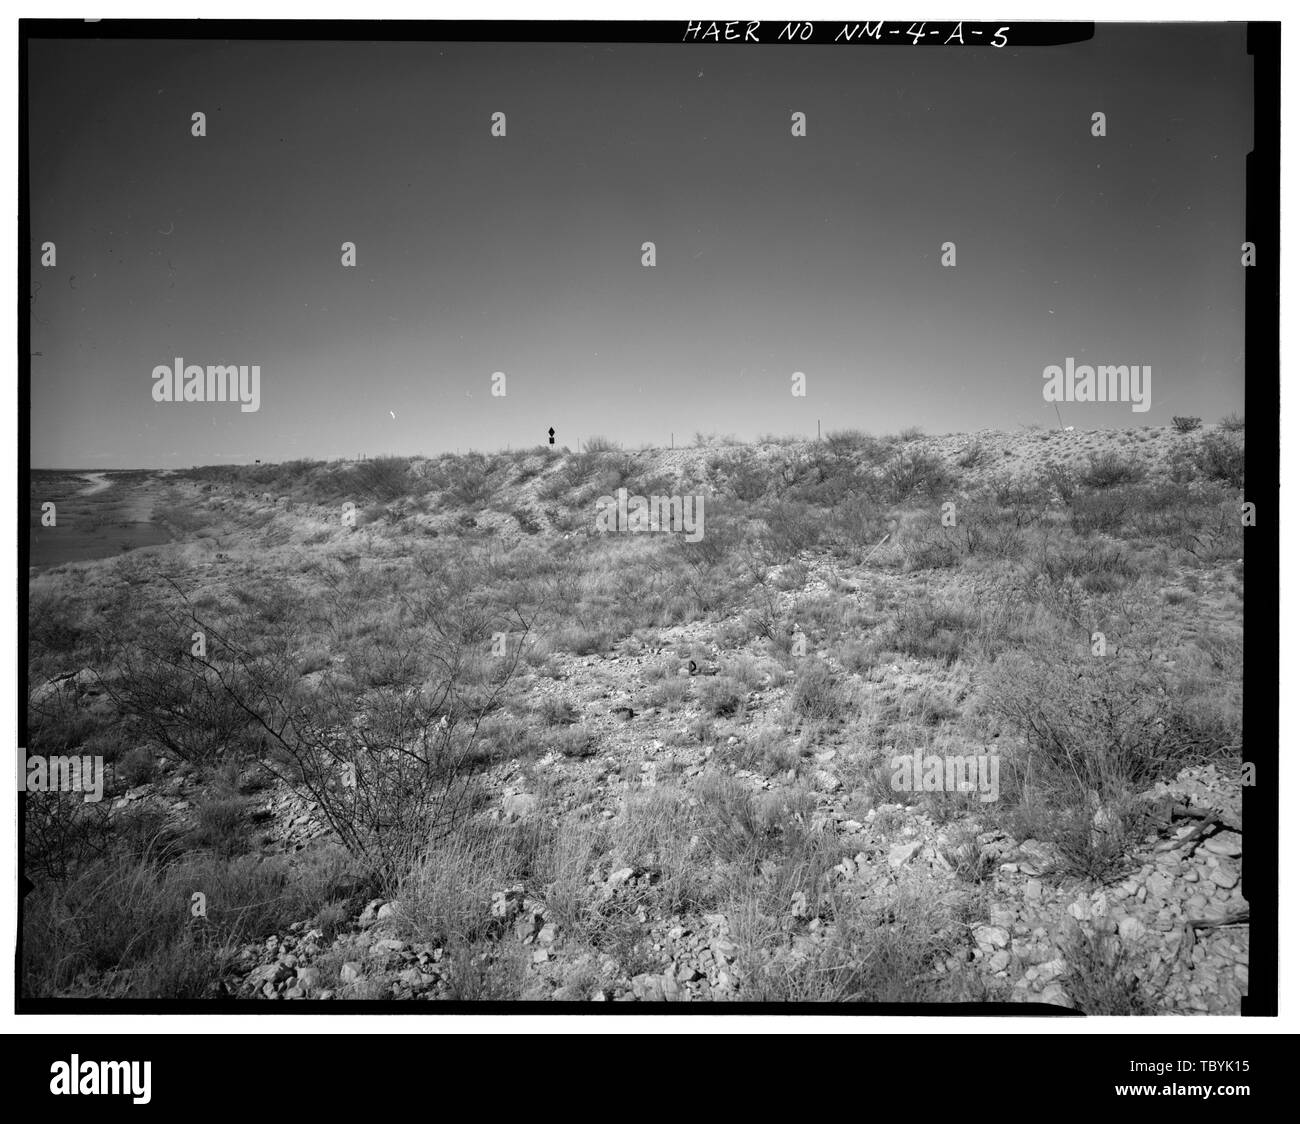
(416, 980)
(900, 854)
(826, 782)
(1050, 969)
(991, 936)
(724, 950)
(1159, 884)
(999, 960)
(1226, 843)
(1131, 929)
(351, 972)
(1224, 876)
(648, 988)
(519, 805)
(1054, 993)
(1033, 889)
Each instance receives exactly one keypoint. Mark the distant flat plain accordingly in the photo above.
(98, 515)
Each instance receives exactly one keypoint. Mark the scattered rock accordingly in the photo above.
(902, 853)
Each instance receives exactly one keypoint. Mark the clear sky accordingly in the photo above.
(522, 254)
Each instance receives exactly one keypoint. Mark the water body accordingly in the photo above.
(98, 515)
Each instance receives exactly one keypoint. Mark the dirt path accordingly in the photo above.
(98, 483)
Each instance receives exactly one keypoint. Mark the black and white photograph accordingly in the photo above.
(585, 518)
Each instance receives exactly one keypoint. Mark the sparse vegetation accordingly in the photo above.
(548, 763)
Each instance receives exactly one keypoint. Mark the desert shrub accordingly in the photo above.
(857, 656)
(722, 697)
(62, 832)
(1104, 511)
(583, 640)
(53, 629)
(1186, 425)
(138, 766)
(932, 547)
(1062, 479)
(1233, 423)
(1020, 494)
(120, 926)
(384, 478)
(1096, 564)
(741, 474)
(915, 472)
(791, 527)
(574, 741)
(847, 442)
(1105, 976)
(933, 630)
(174, 699)
(221, 826)
(526, 520)
(973, 455)
(1106, 724)
(669, 694)
(466, 481)
(970, 862)
(1106, 470)
(598, 444)
(985, 531)
(894, 947)
(388, 768)
(555, 711)
(818, 695)
(1220, 457)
